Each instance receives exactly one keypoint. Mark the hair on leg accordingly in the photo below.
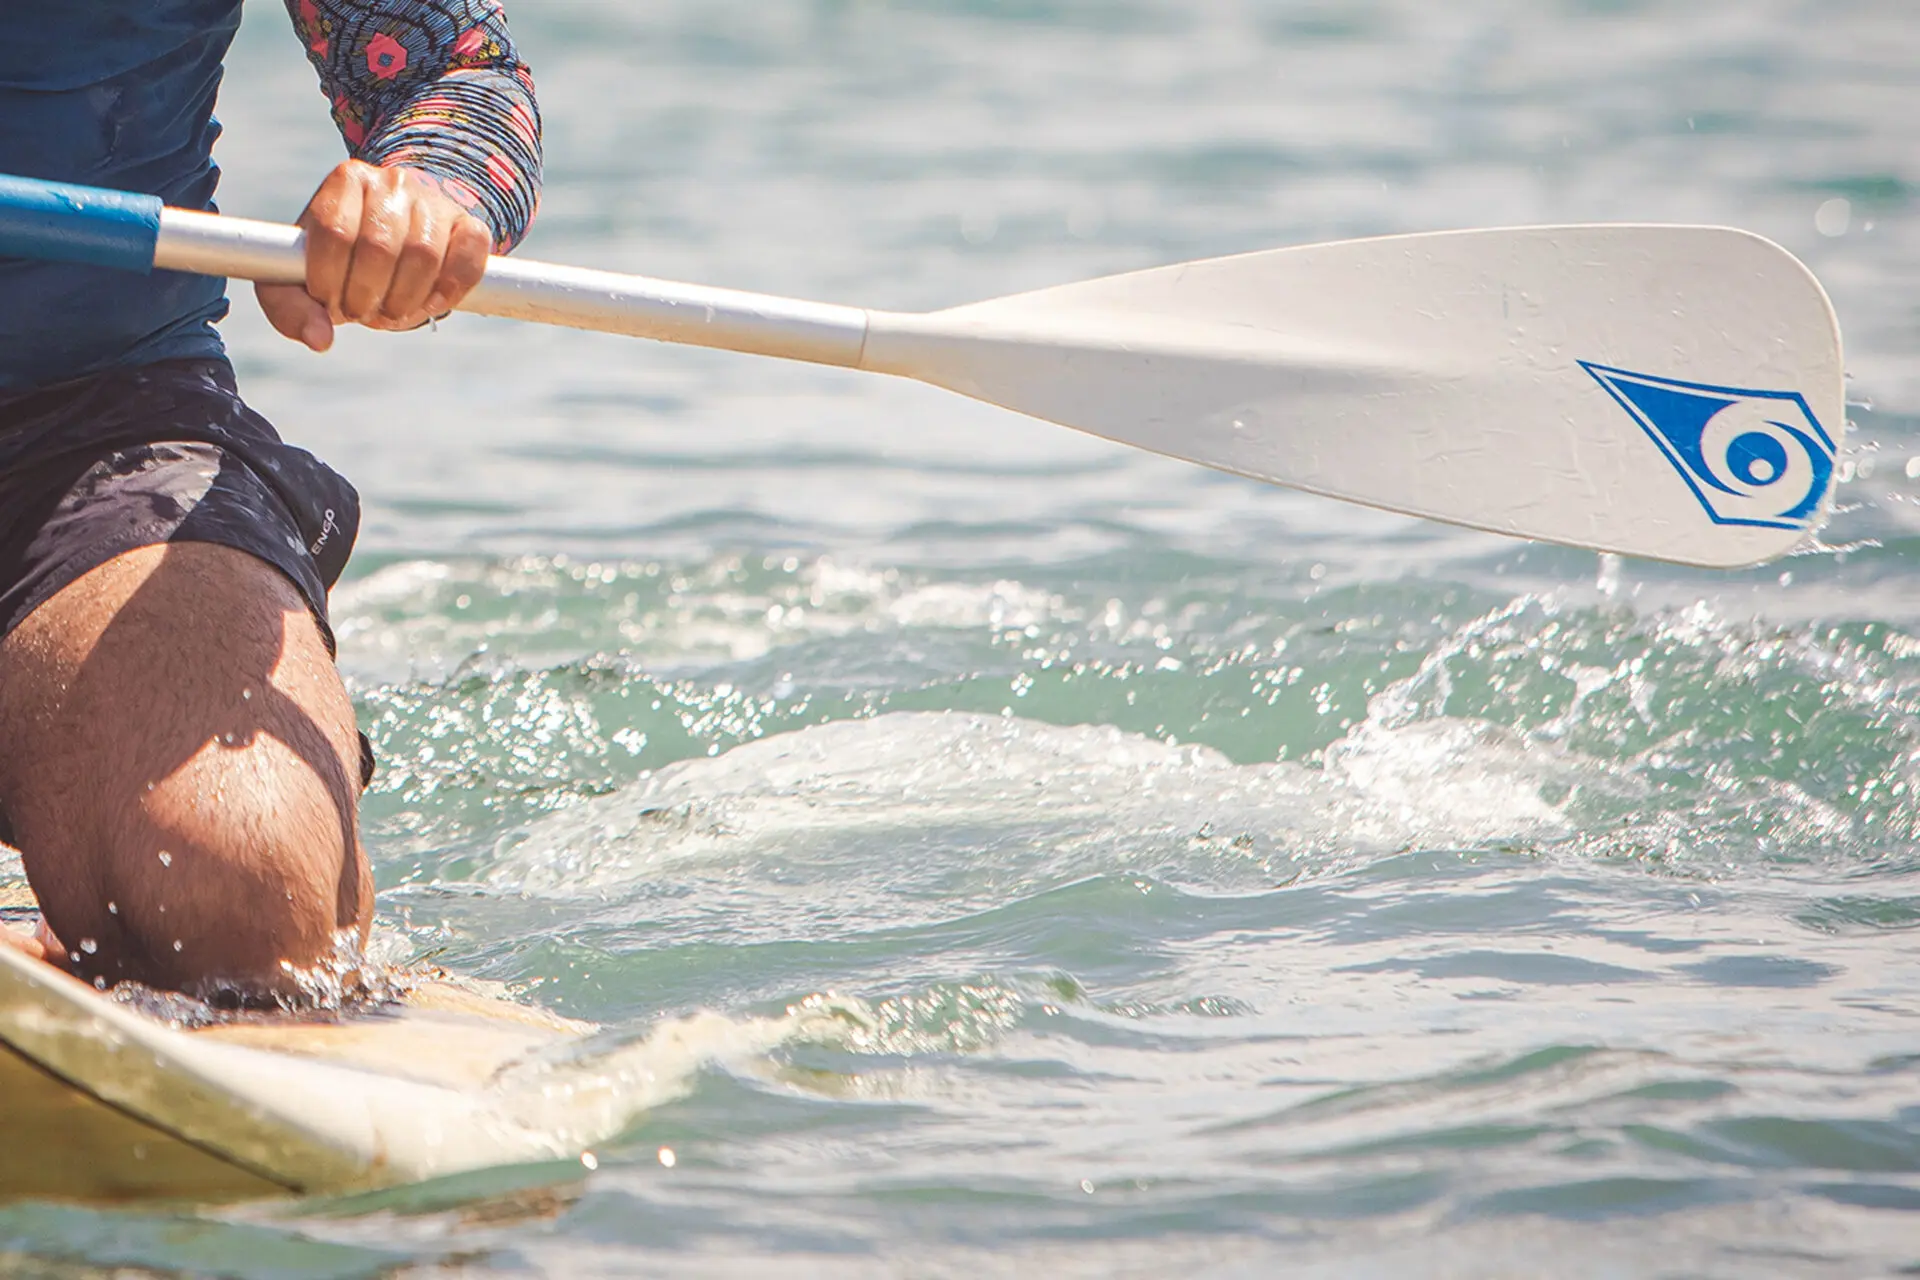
(183, 774)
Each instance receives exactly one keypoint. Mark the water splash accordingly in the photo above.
(599, 1085)
(1040, 803)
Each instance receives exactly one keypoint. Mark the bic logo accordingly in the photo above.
(1751, 457)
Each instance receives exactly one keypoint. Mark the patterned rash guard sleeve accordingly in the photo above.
(435, 86)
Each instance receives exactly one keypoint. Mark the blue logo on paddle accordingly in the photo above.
(1751, 457)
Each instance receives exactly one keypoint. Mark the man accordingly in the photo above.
(179, 764)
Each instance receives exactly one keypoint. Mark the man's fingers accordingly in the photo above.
(466, 262)
(418, 268)
(387, 248)
(332, 224)
(290, 309)
(385, 221)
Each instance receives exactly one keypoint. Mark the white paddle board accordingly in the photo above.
(100, 1101)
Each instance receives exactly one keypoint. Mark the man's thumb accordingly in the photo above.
(292, 311)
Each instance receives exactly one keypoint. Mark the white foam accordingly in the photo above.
(1039, 798)
(1465, 777)
(394, 584)
(579, 1100)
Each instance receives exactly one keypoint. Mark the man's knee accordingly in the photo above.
(187, 777)
(234, 868)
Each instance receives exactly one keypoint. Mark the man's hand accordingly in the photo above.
(386, 248)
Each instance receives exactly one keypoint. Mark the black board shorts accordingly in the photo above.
(167, 452)
(162, 453)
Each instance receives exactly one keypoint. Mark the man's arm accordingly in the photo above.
(440, 119)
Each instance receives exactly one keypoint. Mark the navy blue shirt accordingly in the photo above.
(111, 95)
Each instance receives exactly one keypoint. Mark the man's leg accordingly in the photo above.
(181, 768)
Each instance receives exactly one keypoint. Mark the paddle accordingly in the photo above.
(1672, 392)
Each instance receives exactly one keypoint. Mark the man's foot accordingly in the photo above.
(35, 939)
(30, 944)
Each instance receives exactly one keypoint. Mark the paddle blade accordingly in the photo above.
(1670, 392)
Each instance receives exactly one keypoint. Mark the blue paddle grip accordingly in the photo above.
(55, 222)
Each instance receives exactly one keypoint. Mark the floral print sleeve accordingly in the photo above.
(435, 86)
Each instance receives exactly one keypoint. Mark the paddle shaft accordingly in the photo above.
(60, 222)
(270, 253)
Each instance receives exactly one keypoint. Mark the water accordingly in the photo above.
(1030, 855)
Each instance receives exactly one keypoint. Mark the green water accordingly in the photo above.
(1084, 864)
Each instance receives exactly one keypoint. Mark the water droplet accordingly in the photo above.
(979, 226)
(99, 983)
(1086, 221)
(1833, 217)
(246, 695)
(166, 859)
(89, 946)
(176, 944)
(113, 908)
(667, 1158)
(590, 1160)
